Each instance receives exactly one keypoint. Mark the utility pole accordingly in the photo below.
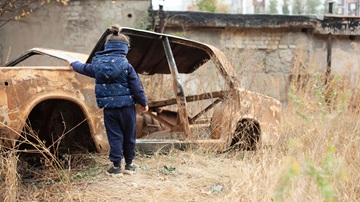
(328, 48)
(161, 16)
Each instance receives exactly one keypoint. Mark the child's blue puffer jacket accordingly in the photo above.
(117, 84)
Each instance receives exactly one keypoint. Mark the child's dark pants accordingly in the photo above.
(120, 124)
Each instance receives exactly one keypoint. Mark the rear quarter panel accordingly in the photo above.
(22, 88)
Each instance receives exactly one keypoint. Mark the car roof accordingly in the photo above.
(147, 54)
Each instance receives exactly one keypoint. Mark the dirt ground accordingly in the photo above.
(177, 176)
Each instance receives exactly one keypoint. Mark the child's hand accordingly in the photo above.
(145, 109)
(70, 62)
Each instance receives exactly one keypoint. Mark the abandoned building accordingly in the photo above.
(275, 42)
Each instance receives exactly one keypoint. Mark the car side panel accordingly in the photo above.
(21, 89)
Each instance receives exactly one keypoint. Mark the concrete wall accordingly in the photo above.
(265, 58)
(74, 27)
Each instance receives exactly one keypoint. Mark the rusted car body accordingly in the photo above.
(58, 105)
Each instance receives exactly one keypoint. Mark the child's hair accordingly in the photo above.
(115, 36)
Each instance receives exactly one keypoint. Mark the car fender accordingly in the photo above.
(245, 105)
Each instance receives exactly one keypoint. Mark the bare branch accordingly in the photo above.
(16, 9)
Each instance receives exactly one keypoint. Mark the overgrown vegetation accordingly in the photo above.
(214, 6)
(285, 7)
(273, 7)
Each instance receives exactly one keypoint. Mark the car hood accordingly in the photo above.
(147, 54)
(63, 55)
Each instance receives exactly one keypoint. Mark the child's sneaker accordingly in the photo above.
(114, 170)
(129, 169)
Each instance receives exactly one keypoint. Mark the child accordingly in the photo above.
(117, 90)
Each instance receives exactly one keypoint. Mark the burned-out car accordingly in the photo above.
(193, 94)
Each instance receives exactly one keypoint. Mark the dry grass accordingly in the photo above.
(317, 159)
(8, 177)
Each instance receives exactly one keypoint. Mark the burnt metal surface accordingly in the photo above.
(147, 55)
(246, 105)
(177, 85)
(22, 88)
(189, 98)
(318, 24)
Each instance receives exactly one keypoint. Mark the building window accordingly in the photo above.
(352, 9)
(340, 11)
(340, 2)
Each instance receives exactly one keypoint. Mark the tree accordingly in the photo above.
(273, 7)
(16, 9)
(297, 8)
(206, 5)
(210, 6)
(258, 10)
(311, 6)
(285, 7)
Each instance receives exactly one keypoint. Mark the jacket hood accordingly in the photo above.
(116, 47)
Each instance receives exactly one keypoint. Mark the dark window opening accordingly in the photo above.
(352, 37)
(304, 30)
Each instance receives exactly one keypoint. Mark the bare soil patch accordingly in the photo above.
(177, 176)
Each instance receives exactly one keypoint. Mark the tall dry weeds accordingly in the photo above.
(9, 185)
(52, 169)
(320, 127)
